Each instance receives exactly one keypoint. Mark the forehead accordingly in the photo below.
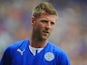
(48, 17)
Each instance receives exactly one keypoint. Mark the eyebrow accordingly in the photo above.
(46, 20)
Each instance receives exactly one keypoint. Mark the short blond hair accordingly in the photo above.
(44, 7)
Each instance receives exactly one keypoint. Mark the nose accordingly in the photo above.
(48, 26)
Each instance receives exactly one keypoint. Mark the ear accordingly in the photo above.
(33, 20)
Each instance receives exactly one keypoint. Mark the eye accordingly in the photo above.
(52, 23)
(44, 21)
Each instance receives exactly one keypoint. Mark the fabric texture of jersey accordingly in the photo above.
(19, 54)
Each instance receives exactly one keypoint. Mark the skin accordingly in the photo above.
(42, 28)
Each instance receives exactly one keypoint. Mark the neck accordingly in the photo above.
(34, 42)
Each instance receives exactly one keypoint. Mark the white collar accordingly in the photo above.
(33, 50)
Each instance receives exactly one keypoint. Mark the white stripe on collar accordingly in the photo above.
(33, 50)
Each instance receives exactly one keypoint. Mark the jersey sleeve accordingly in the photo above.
(9, 54)
(64, 59)
(6, 58)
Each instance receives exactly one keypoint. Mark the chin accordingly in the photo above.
(45, 38)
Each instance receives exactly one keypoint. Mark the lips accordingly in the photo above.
(46, 32)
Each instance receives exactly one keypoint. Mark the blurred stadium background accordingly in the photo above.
(70, 31)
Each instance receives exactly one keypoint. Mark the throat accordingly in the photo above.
(38, 44)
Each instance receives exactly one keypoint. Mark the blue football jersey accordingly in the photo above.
(20, 54)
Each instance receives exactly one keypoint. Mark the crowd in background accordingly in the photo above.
(70, 32)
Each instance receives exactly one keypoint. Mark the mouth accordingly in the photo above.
(45, 32)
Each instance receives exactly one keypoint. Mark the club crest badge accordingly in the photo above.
(49, 56)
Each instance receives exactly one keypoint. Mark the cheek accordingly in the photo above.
(40, 25)
(37, 27)
(52, 28)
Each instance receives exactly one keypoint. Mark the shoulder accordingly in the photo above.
(58, 51)
(61, 55)
(14, 46)
(55, 47)
(11, 49)
(17, 44)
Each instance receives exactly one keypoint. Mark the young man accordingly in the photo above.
(38, 50)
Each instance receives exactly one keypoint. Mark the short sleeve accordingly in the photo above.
(64, 59)
(6, 58)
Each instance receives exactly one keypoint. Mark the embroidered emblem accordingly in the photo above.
(20, 51)
(49, 56)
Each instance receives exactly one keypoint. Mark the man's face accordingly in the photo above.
(43, 26)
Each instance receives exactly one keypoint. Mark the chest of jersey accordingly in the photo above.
(27, 58)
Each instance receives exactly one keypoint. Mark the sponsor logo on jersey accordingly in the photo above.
(20, 51)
